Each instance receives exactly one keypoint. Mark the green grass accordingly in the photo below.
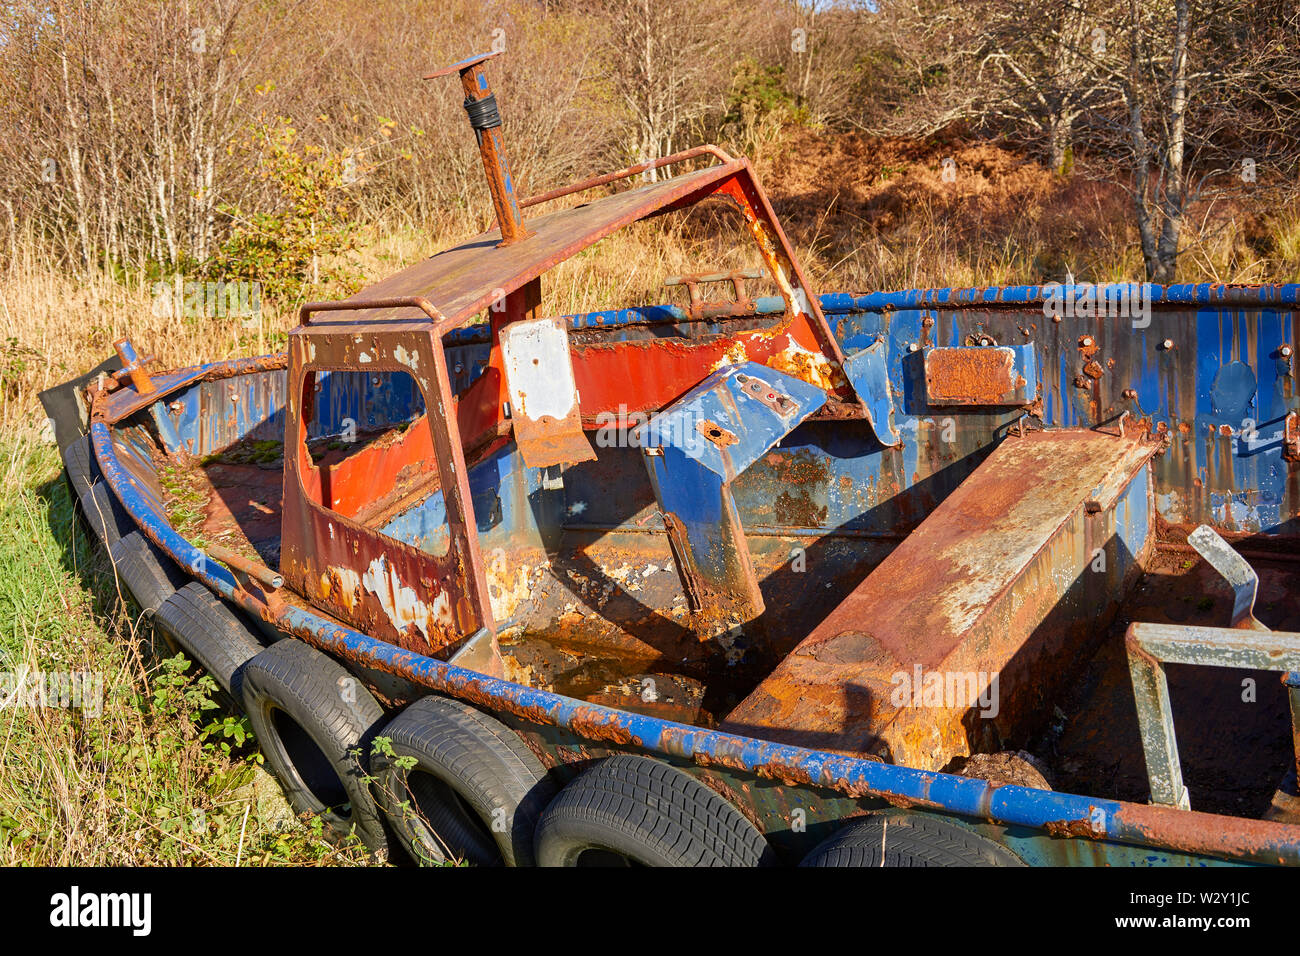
(159, 776)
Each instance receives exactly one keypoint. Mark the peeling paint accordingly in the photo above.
(402, 604)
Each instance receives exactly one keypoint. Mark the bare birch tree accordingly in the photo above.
(665, 55)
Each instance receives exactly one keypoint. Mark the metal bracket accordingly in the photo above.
(1291, 437)
(699, 308)
(544, 406)
(1240, 576)
(1151, 646)
(868, 371)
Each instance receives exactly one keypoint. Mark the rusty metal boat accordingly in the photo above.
(990, 576)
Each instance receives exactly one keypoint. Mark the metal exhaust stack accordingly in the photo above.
(484, 117)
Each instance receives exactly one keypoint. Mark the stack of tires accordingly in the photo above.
(443, 782)
(188, 616)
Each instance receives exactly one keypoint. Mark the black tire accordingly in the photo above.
(105, 515)
(633, 810)
(475, 792)
(210, 633)
(308, 728)
(80, 467)
(148, 572)
(909, 840)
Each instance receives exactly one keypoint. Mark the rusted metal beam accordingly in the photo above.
(254, 569)
(628, 172)
(308, 309)
(957, 640)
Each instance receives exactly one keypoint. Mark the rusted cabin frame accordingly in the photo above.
(359, 571)
(424, 602)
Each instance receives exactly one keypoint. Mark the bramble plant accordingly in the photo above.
(303, 245)
(383, 747)
(230, 728)
(175, 693)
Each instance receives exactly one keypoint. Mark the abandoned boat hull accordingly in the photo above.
(848, 492)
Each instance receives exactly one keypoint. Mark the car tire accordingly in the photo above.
(630, 810)
(474, 793)
(314, 723)
(910, 840)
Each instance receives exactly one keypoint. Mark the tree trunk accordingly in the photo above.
(1141, 151)
(1175, 198)
(1060, 137)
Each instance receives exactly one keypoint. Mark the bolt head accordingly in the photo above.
(1285, 351)
(1167, 344)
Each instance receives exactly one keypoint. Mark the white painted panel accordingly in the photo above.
(539, 369)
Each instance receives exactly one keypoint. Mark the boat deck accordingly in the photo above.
(605, 620)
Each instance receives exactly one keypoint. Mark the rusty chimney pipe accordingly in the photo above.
(481, 106)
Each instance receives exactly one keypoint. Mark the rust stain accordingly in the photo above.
(716, 433)
(971, 376)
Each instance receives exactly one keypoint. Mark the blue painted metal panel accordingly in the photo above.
(869, 375)
(756, 405)
(694, 449)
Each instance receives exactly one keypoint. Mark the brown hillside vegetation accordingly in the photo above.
(877, 213)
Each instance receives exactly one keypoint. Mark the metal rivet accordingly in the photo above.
(913, 347)
(1285, 351)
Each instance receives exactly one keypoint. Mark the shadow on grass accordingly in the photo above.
(81, 555)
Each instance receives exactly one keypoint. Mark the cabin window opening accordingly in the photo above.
(366, 454)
